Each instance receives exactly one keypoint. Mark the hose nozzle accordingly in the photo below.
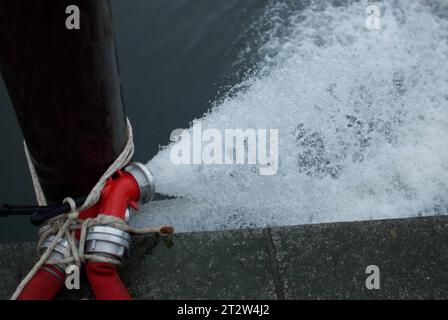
(145, 180)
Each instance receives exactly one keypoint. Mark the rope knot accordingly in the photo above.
(71, 203)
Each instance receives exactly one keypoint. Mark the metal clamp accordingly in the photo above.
(107, 241)
(60, 251)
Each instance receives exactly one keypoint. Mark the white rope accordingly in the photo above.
(41, 200)
(122, 160)
(66, 225)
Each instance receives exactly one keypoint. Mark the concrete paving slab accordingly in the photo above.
(329, 261)
(326, 261)
(16, 261)
(216, 265)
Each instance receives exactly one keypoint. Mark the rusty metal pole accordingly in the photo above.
(65, 90)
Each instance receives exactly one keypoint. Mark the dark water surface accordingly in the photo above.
(176, 58)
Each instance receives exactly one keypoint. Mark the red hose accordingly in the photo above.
(44, 285)
(105, 282)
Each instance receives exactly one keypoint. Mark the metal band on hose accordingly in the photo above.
(107, 241)
(60, 251)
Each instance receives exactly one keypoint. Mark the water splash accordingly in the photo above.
(362, 118)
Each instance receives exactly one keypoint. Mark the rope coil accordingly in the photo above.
(66, 225)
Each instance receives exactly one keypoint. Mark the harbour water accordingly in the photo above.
(362, 114)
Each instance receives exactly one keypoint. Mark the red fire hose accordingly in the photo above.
(119, 193)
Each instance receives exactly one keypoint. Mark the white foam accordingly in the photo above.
(362, 118)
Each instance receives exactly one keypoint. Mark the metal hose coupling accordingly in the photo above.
(106, 241)
(60, 251)
(145, 180)
(111, 242)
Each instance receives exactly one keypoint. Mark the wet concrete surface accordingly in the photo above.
(324, 261)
